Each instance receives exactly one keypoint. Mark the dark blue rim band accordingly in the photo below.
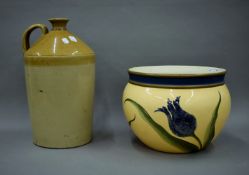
(177, 81)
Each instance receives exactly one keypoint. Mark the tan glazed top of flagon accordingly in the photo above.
(58, 42)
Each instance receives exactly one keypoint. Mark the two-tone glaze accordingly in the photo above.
(60, 76)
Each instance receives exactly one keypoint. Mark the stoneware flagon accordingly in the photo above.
(176, 109)
(60, 76)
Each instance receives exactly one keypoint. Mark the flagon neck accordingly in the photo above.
(59, 23)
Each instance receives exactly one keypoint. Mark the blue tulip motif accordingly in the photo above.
(180, 122)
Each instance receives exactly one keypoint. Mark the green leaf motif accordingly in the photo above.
(210, 131)
(167, 137)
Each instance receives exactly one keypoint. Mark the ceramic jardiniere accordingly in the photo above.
(177, 109)
(60, 73)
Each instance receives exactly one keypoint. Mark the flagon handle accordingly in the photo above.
(27, 33)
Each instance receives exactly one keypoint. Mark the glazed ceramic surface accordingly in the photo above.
(176, 109)
(60, 76)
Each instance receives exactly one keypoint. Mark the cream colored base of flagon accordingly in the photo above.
(60, 103)
(210, 106)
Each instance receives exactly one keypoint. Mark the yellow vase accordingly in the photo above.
(60, 76)
(176, 109)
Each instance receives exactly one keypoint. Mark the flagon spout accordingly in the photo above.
(59, 23)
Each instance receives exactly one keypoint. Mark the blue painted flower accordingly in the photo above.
(180, 122)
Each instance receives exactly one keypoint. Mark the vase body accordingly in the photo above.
(60, 76)
(171, 113)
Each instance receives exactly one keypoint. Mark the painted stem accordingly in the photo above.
(198, 140)
(132, 120)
